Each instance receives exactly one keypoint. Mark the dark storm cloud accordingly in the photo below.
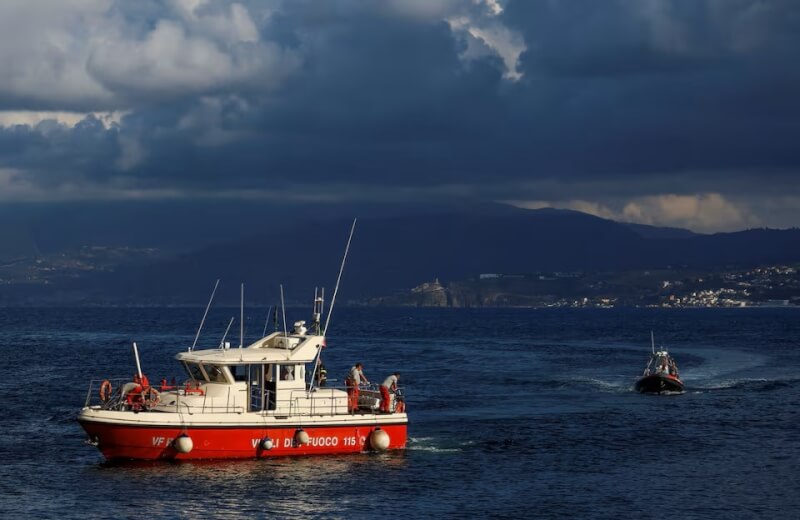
(51, 152)
(648, 86)
(618, 98)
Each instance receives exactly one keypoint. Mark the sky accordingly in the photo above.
(668, 112)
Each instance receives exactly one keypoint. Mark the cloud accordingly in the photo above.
(71, 119)
(43, 49)
(685, 111)
(100, 55)
(170, 61)
(705, 212)
(131, 153)
(489, 37)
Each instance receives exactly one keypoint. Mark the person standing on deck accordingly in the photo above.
(354, 379)
(389, 384)
(321, 377)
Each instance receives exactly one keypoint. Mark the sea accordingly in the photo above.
(513, 413)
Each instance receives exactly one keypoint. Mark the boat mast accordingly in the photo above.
(339, 278)
(241, 319)
(222, 343)
(197, 336)
(652, 343)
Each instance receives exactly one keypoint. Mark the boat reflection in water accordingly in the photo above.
(280, 487)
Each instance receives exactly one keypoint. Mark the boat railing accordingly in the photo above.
(113, 394)
(105, 393)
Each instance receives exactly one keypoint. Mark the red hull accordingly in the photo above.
(659, 383)
(152, 443)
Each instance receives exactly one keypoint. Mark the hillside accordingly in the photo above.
(395, 253)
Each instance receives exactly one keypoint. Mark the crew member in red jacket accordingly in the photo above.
(354, 379)
(389, 384)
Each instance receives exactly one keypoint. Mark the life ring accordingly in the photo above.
(105, 390)
(151, 398)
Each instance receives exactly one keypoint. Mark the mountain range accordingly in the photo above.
(395, 252)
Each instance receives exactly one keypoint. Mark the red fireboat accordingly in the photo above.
(266, 399)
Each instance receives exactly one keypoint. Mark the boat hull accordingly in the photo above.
(154, 442)
(659, 384)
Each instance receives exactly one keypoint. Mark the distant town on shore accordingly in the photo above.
(777, 285)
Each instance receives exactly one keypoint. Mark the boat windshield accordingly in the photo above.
(664, 364)
(215, 374)
(193, 369)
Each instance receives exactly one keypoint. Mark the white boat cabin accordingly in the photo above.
(270, 376)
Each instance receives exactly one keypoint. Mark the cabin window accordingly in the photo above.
(256, 378)
(215, 374)
(194, 372)
(239, 372)
(287, 372)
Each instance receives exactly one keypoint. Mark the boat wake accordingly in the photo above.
(736, 370)
(718, 362)
(750, 384)
(612, 385)
(428, 444)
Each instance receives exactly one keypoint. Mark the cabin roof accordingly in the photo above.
(275, 348)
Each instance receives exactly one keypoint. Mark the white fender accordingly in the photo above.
(301, 437)
(379, 440)
(183, 443)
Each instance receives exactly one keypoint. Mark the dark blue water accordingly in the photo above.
(513, 413)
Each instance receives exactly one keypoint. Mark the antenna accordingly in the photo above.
(330, 309)
(241, 320)
(316, 313)
(197, 336)
(266, 322)
(339, 278)
(319, 309)
(222, 343)
(283, 306)
(652, 342)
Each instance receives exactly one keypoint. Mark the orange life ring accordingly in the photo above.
(105, 390)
